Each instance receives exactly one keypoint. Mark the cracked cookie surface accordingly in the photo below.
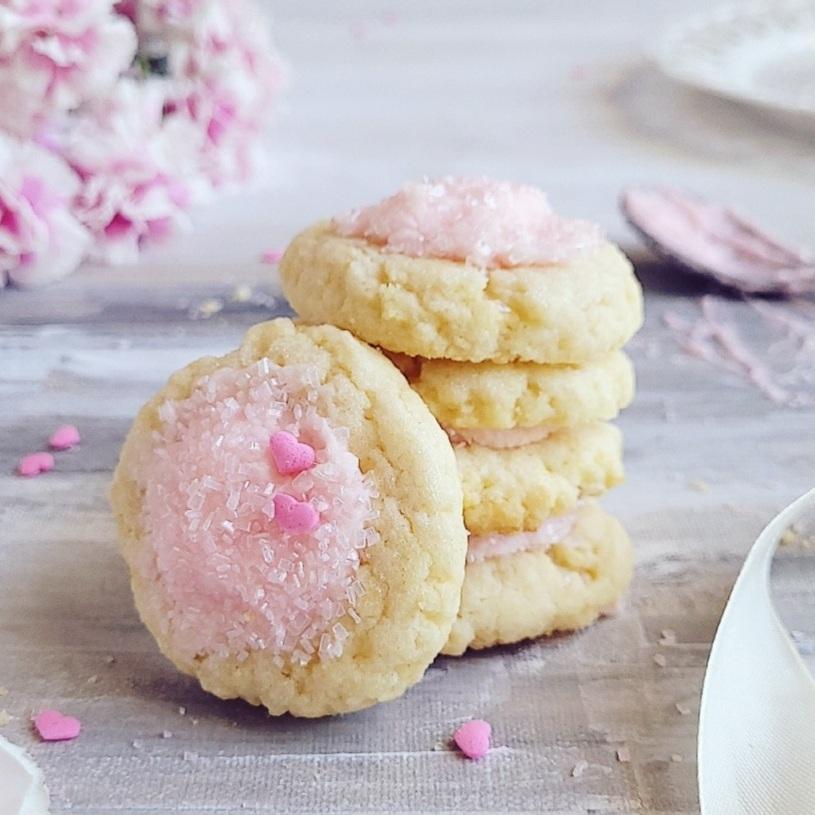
(568, 312)
(411, 578)
(518, 489)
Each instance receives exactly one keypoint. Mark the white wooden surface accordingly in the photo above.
(553, 93)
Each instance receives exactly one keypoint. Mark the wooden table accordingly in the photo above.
(556, 94)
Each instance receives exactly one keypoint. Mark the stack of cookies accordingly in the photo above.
(508, 320)
(307, 528)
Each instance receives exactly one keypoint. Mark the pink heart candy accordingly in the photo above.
(54, 726)
(64, 438)
(290, 456)
(294, 516)
(35, 463)
(473, 738)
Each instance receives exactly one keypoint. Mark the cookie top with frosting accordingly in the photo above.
(490, 224)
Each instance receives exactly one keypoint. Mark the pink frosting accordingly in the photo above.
(229, 577)
(491, 224)
(498, 439)
(551, 531)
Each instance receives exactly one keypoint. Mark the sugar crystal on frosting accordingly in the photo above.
(490, 224)
(229, 577)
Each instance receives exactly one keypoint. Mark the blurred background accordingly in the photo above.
(565, 95)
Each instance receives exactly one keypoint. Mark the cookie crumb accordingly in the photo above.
(623, 755)
(242, 293)
(207, 308)
(92, 680)
(790, 536)
(166, 734)
(579, 768)
(684, 710)
(793, 536)
(110, 660)
(182, 711)
(4, 718)
(661, 660)
(676, 757)
(667, 637)
(699, 486)
(136, 744)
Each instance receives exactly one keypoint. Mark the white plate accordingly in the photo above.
(763, 54)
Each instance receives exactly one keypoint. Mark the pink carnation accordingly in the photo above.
(56, 54)
(127, 8)
(40, 240)
(160, 15)
(135, 168)
(228, 76)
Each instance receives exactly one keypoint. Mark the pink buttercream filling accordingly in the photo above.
(498, 439)
(490, 224)
(229, 576)
(550, 532)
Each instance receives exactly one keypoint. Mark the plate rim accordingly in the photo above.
(664, 51)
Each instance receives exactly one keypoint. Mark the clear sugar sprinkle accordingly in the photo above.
(491, 224)
(228, 579)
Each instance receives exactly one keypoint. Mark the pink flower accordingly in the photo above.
(56, 54)
(228, 76)
(40, 240)
(155, 15)
(138, 178)
(126, 8)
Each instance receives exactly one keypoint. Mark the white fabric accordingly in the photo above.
(757, 718)
(22, 791)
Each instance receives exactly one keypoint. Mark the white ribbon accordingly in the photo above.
(22, 791)
(757, 718)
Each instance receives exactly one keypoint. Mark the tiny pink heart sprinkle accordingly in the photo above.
(290, 456)
(473, 738)
(294, 516)
(35, 463)
(54, 726)
(272, 256)
(64, 438)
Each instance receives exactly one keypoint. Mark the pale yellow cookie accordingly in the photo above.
(486, 395)
(543, 590)
(216, 589)
(567, 312)
(518, 489)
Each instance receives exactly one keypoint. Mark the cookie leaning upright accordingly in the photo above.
(291, 516)
(429, 274)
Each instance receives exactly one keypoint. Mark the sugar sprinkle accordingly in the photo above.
(233, 580)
